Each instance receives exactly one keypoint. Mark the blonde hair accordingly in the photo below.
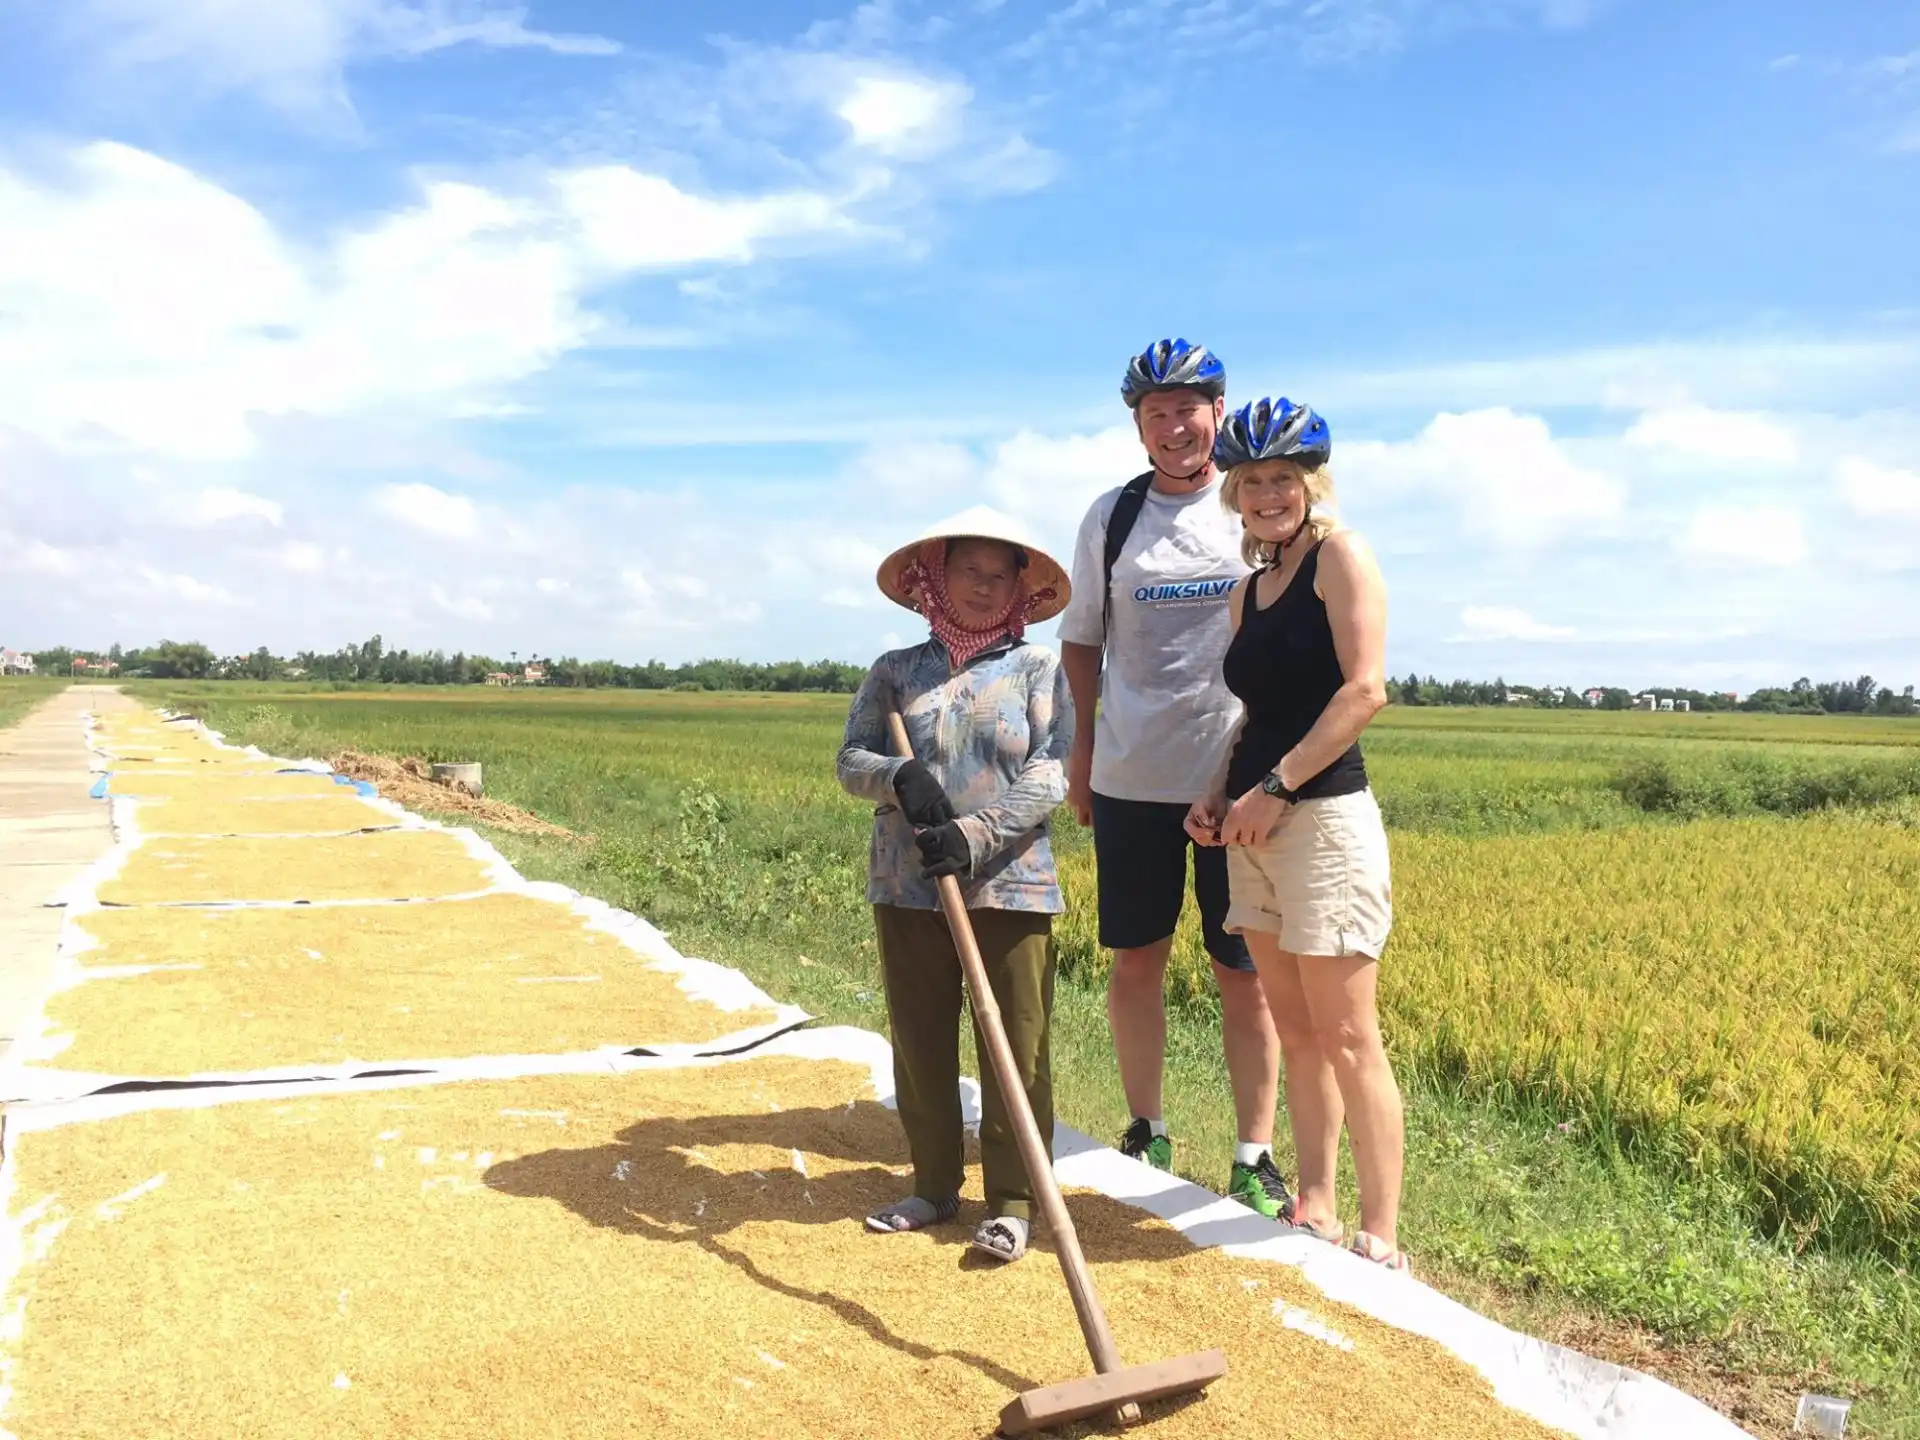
(1322, 519)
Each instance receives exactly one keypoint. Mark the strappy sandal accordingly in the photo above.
(1333, 1234)
(1004, 1237)
(1373, 1248)
(915, 1212)
(1290, 1215)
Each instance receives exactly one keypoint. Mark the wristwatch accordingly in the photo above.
(1273, 785)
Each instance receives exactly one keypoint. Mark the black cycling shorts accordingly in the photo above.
(1140, 853)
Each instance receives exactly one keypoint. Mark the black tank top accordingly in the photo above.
(1284, 669)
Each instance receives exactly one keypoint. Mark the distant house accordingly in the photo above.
(1683, 705)
(1593, 697)
(501, 677)
(83, 666)
(1666, 704)
(12, 662)
(535, 675)
(1645, 702)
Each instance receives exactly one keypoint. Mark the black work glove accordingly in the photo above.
(943, 850)
(922, 800)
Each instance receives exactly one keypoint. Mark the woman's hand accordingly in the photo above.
(1252, 818)
(1204, 817)
(943, 850)
(922, 800)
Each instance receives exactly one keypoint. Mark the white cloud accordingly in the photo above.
(292, 54)
(217, 504)
(1050, 480)
(902, 114)
(1746, 535)
(429, 510)
(547, 585)
(1698, 433)
(1739, 372)
(1499, 622)
(1147, 31)
(303, 558)
(1505, 474)
(466, 607)
(182, 587)
(632, 221)
(1878, 491)
(39, 558)
(149, 305)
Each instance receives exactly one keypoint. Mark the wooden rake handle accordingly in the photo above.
(1033, 1151)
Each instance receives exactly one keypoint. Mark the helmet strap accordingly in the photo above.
(1298, 531)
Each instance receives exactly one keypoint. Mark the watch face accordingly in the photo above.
(1271, 784)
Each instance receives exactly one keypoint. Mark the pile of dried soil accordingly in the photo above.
(409, 782)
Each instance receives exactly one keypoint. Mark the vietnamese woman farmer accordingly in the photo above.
(991, 721)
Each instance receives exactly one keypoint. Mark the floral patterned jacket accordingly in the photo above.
(995, 735)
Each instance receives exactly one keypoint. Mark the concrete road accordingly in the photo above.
(49, 832)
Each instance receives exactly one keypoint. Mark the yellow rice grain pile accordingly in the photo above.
(500, 974)
(672, 1253)
(394, 864)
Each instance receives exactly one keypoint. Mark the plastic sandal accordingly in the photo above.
(1333, 1235)
(1003, 1237)
(903, 1217)
(1373, 1248)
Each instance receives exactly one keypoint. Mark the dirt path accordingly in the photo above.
(49, 832)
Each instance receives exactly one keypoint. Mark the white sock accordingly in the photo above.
(1247, 1153)
(1156, 1125)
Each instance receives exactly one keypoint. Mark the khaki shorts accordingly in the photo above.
(1321, 882)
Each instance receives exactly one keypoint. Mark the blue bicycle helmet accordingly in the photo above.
(1272, 430)
(1173, 365)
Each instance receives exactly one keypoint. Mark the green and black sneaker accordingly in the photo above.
(1259, 1187)
(1140, 1143)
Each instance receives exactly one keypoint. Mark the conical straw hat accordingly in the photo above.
(982, 523)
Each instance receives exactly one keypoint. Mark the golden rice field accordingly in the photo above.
(1745, 990)
(1740, 992)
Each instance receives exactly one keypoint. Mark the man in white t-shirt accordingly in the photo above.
(1164, 713)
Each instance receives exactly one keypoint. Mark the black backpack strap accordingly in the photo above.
(1126, 510)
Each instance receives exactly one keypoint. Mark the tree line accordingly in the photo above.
(1864, 696)
(371, 662)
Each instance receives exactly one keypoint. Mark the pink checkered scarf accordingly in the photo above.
(925, 578)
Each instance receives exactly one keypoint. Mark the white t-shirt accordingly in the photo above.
(1165, 710)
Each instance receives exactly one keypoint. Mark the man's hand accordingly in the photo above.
(1205, 817)
(943, 850)
(1080, 782)
(1252, 818)
(922, 800)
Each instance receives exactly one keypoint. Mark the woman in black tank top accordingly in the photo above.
(1306, 851)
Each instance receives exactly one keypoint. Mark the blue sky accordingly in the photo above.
(644, 331)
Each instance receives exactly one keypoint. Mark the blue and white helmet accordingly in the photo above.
(1173, 365)
(1272, 430)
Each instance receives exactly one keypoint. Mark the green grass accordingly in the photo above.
(21, 693)
(719, 819)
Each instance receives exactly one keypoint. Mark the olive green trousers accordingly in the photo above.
(925, 990)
